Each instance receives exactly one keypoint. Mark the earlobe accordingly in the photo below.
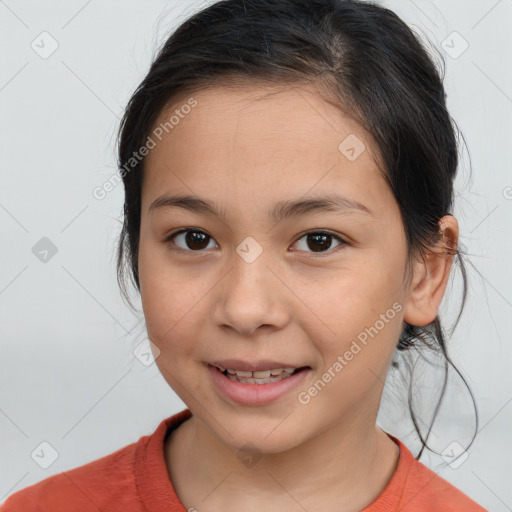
(430, 276)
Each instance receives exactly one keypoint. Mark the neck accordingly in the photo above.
(345, 468)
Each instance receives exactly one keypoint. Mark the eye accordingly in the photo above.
(318, 241)
(195, 240)
(192, 239)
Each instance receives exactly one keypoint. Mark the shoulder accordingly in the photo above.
(103, 484)
(425, 491)
(126, 480)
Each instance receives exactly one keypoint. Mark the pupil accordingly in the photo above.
(194, 237)
(319, 238)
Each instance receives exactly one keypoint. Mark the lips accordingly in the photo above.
(252, 391)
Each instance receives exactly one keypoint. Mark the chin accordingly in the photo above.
(259, 436)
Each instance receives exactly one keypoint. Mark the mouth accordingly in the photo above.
(259, 387)
(260, 376)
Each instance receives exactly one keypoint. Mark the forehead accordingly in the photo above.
(276, 114)
(260, 140)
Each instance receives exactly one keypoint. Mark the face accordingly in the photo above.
(321, 288)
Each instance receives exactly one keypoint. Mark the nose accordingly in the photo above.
(251, 296)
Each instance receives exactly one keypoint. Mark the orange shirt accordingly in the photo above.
(135, 479)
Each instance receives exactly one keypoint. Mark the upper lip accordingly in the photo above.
(253, 366)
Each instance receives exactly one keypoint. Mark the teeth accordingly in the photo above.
(257, 377)
(268, 380)
(262, 374)
(241, 373)
(252, 380)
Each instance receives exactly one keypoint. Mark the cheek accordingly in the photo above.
(362, 310)
(169, 313)
(170, 298)
(365, 317)
(169, 316)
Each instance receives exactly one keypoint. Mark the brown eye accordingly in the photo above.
(319, 242)
(191, 240)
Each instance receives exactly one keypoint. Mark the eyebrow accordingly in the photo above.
(282, 210)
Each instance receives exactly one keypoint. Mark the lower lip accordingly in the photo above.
(255, 394)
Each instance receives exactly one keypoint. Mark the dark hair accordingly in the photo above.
(371, 65)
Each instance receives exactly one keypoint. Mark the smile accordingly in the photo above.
(258, 377)
(259, 387)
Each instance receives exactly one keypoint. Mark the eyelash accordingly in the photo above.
(169, 239)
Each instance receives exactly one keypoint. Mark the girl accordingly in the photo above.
(288, 169)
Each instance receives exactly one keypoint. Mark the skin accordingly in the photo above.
(245, 150)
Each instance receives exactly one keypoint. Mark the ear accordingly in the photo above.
(430, 275)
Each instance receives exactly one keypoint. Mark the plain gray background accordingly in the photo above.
(68, 373)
